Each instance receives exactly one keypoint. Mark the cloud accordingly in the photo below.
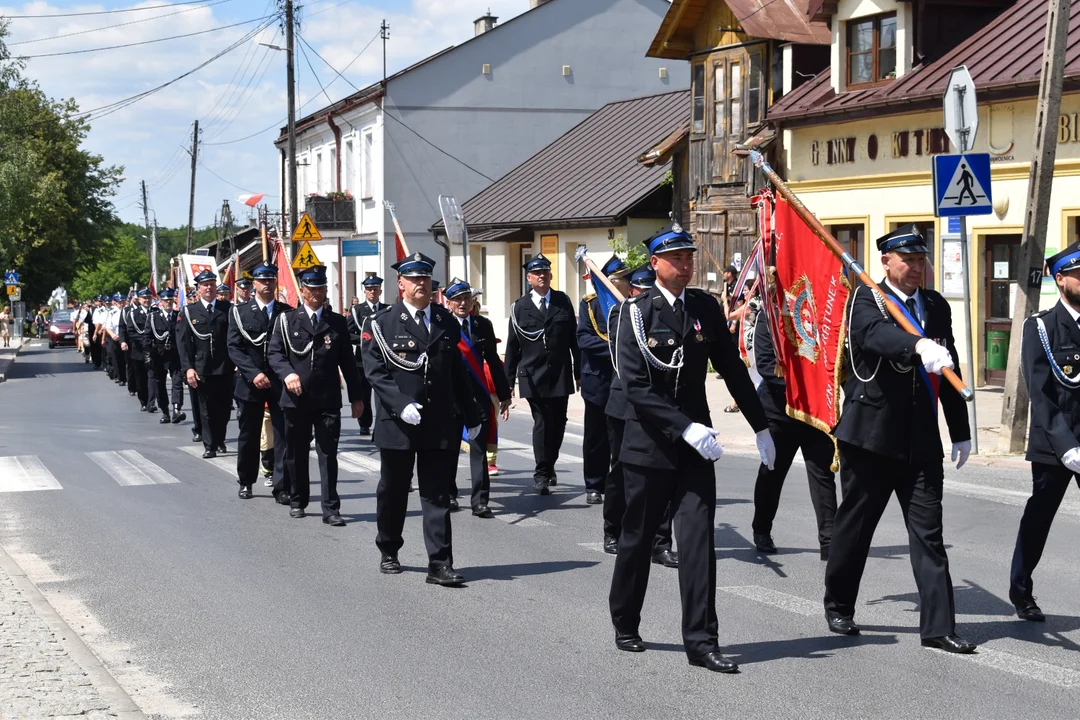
(237, 95)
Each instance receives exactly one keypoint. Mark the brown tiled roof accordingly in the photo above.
(780, 20)
(1004, 58)
(589, 175)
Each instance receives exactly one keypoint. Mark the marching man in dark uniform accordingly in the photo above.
(478, 349)
(596, 374)
(309, 346)
(257, 386)
(618, 410)
(667, 337)
(1051, 367)
(790, 435)
(357, 316)
(203, 338)
(168, 305)
(412, 361)
(159, 348)
(135, 334)
(890, 442)
(542, 357)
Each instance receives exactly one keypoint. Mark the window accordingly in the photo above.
(367, 191)
(477, 265)
(347, 170)
(851, 238)
(754, 90)
(871, 50)
(735, 70)
(318, 173)
(719, 101)
(332, 179)
(699, 99)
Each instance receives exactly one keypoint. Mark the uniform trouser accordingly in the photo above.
(119, 363)
(157, 373)
(615, 494)
(869, 480)
(478, 468)
(300, 423)
(365, 418)
(596, 448)
(95, 349)
(549, 424)
(141, 373)
(435, 471)
(691, 489)
(818, 450)
(196, 414)
(178, 382)
(248, 442)
(214, 395)
(1048, 486)
(132, 375)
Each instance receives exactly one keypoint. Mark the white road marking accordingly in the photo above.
(580, 439)
(777, 599)
(129, 468)
(226, 464)
(358, 462)
(526, 451)
(521, 520)
(1024, 667)
(25, 473)
(1006, 496)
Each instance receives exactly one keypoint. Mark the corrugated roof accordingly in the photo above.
(591, 173)
(1005, 56)
(780, 20)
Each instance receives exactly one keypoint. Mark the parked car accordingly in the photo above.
(61, 331)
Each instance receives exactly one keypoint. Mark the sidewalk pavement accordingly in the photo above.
(8, 355)
(737, 437)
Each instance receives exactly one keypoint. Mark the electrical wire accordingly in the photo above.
(305, 42)
(241, 189)
(104, 12)
(317, 80)
(110, 27)
(235, 108)
(141, 42)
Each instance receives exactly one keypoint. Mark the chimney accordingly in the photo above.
(485, 23)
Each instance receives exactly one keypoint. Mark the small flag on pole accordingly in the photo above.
(252, 200)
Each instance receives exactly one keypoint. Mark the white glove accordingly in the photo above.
(703, 439)
(935, 358)
(411, 413)
(473, 432)
(961, 450)
(766, 448)
(1071, 460)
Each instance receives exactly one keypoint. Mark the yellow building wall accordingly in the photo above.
(717, 28)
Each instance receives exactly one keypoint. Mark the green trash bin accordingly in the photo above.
(997, 349)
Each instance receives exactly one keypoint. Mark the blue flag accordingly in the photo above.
(604, 297)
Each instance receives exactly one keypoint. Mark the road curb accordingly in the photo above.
(7, 362)
(120, 703)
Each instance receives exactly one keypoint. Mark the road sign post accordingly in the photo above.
(961, 125)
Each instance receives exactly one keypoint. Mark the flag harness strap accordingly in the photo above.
(398, 362)
(676, 363)
(884, 313)
(1059, 374)
(530, 335)
(208, 335)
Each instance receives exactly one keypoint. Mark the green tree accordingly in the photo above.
(633, 255)
(120, 265)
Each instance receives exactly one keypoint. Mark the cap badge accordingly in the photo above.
(328, 340)
(676, 227)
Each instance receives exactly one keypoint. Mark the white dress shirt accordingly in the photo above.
(537, 297)
(920, 307)
(671, 298)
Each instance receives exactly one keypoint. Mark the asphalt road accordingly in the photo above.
(203, 605)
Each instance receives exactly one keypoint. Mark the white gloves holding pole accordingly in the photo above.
(935, 358)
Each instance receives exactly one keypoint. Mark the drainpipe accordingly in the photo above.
(446, 259)
(337, 143)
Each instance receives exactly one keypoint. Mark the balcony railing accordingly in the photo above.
(332, 214)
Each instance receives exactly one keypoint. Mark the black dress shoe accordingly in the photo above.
(196, 436)
(553, 481)
(164, 420)
(540, 487)
(593, 498)
(667, 558)
(482, 511)
(151, 409)
(365, 431)
(297, 513)
(715, 661)
(142, 408)
(389, 565)
(178, 417)
(132, 393)
(629, 641)
(1028, 610)
(283, 499)
(454, 506)
(764, 543)
(222, 449)
(444, 576)
(611, 545)
(245, 492)
(207, 454)
(842, 625)
(950, 643)
(334, 520)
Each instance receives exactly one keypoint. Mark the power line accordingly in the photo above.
(110, 27)
(142, 42)
(241, 189)
(235, 107)
(104, 12)
(305, 42)
(308, 61)
(227, 97)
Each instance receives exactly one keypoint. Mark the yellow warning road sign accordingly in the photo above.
(306, 230)
(12, 289)
(305, 257)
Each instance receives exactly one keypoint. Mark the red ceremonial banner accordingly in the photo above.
(813, 292)
(288, 289)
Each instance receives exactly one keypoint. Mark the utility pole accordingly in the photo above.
(384, 33)
(226, 230)
(153, 257)
(290, 52)
(191, 204)
(145, 208)
(1014, 408)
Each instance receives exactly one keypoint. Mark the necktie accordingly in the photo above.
(269, 311)
(910, 302)
(678, 310)
(422, 324)
(465, 330)
(543, 306)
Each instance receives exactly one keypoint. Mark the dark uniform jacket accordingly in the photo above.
(444, 389)
(1055, 408)
(549, 366)
(207, 355)
(484, 343)
(315, 354)
(658, 411)
(161, 329)
(617, 405)
(355, 318)
(252, 356)
(773, 390)
(892, 414)
(596, 368)
(133, 330)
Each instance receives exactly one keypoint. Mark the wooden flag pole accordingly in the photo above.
(397, 226)
(594, 272)
(849, 262)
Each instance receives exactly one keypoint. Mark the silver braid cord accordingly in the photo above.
(531, 335)
(676, 363)
(209, 335)
(400, 363)
(257, 342)
(288, 343)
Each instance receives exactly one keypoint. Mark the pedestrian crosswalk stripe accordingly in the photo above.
(358, 462)
(526, 451)
(129, 468)
(228, 464)
(25, 473)
(1024, 667)
(782, 600)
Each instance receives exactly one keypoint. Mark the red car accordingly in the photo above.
(61, 331)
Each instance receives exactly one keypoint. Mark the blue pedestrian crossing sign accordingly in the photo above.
(11, 278)
(962, 185)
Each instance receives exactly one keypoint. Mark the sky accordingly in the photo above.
(239, 98)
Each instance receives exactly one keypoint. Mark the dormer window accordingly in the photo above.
(871, 51)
